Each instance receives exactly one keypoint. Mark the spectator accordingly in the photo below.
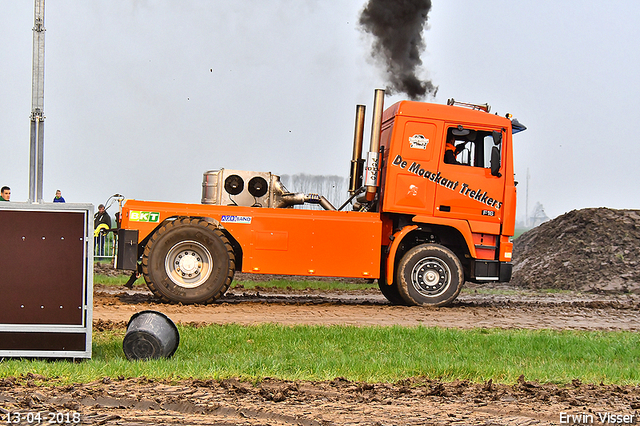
(101, 217)
(58, 198)
(5, 193)
(101, 223)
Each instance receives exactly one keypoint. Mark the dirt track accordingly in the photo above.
(139, 401)
(519, 309)
(338, 402)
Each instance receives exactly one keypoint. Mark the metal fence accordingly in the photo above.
(105, 245)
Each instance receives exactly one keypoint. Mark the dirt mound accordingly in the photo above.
(595, 249)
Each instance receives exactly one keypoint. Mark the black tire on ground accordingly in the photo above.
(429, 275)
(389, 291)
(188, 261)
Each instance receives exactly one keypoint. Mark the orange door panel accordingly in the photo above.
(411, 168)
(476, 196)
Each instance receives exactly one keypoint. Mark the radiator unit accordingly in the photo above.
(227, 187)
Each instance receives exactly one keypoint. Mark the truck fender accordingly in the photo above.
(393, 248)
(144, 241)
(461, 226)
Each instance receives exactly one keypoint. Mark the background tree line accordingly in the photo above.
(334, 188)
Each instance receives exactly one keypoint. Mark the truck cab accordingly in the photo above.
(447, 178)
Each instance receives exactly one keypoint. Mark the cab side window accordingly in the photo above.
(469, 147)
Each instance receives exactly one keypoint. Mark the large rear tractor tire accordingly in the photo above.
(188, 261)
(429, 275)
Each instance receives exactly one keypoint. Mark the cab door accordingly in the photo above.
(411, 160)
(472, 191)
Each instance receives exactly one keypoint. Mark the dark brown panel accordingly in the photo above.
(17, 341)
(41, 267)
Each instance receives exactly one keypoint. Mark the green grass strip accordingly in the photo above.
(372, 354)
(289, 284)
(115, 281)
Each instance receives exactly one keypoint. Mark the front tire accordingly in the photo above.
(429, 275)
(390, 292)
(188, 261)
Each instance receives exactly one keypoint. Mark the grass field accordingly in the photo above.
(275, 283)
(282, 284)
(372, 354)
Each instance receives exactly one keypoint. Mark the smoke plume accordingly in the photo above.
(396, 26)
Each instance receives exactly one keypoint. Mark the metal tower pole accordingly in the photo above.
(36, 152)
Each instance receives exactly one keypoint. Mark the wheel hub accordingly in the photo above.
(188, 264)
(430, 276)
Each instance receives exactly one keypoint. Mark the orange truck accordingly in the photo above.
(432, 206)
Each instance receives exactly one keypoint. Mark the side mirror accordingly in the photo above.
(497, 137)
(495, 162)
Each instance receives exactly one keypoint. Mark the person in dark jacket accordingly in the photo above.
(101, 223)
(101, 217)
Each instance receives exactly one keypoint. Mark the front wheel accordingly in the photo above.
(429, 275)
(390, 291)
(188, 261)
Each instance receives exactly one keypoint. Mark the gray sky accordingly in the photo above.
(142, 97)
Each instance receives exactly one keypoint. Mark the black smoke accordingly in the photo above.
(397, 26)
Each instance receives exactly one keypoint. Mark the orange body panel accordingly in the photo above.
(461, 225)
(485, 245)
(281, 241)
(506, 249)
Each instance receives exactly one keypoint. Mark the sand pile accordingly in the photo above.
(596, 249)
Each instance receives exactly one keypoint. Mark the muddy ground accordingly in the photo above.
(415, 401)
(508, 308)
(141, 401)
(593, 255)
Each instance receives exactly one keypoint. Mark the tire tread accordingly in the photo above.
(169, 226)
